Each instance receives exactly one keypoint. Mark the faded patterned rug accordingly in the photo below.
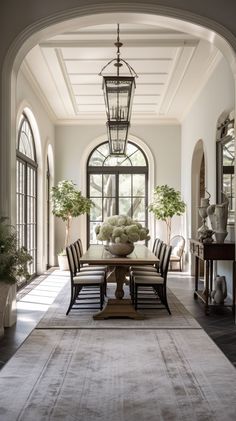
(118, 375)
(158, 318)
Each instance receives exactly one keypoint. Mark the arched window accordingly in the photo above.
(116, 185)
(26, 194)
(48, 185)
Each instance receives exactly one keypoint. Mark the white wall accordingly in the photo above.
(200, 123)
(72, 142)
(44, 133)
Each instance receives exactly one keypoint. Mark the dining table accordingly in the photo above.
(118, 306)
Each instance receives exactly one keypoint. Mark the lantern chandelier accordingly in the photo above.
(118, 94)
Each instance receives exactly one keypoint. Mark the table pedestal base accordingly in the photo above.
(118, 308)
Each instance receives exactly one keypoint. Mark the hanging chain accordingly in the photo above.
(119, 61)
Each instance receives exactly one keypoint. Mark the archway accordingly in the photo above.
(86, 15)
(81, 17)
(198, 184)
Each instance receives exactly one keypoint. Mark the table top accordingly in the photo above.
(97, 254)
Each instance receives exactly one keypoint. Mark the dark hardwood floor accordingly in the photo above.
(219, 325)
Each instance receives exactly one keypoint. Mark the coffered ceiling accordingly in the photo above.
(172, 69)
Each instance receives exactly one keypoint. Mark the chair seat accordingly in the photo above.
(134, 270)
(91, 273)
(145, 268)
(88, 280)
(92, 268)
(149, 280)
(174, 258)
(144, 273)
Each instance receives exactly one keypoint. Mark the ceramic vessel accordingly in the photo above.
(220, 292)
(121, 249)
(218, 215)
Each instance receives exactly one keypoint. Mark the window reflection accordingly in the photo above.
(225, 164)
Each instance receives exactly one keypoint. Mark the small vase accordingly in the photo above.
(220, 236)
(121, 249)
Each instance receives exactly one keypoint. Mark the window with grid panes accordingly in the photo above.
(117, 185)
(225, 164)
(26, 194)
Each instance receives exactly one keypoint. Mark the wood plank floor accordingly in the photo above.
(219, 325)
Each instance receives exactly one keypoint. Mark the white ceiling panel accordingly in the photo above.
(170, 66)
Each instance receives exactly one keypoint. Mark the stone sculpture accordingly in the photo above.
(204, 233)
(220, 292)
(218, 215)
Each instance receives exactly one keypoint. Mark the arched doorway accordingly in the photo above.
(54, 20)
(84, 16)
(198, 185)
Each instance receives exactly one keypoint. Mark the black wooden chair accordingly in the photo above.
(89, 268)
(150, 269)
(160, 249)
(85, 267)
(154, 280)
(83, 285)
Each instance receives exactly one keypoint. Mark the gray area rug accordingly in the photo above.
(118, 375)
(56, 317)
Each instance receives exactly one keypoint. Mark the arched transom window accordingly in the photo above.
(26, 197)
(116, 185)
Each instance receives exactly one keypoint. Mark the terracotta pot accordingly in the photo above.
(121, 249)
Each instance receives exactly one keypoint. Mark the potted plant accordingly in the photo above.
(120, 232)
(14, 263)
(167, 203)
(68, 203)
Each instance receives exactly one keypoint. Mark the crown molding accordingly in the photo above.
(37, 90)
(144, 121)
(213, 63)
(96, 43)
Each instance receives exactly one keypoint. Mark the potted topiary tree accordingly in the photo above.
(167, 203)
(68, 203)
(14, 263)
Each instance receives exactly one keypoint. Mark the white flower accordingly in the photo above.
(121, 229)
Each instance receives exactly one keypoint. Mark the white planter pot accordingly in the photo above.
(63, 262)
(4, 291)
(10, 310)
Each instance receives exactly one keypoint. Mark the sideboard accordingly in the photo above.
(208, 252)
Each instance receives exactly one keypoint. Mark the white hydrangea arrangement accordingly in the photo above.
(121, 229)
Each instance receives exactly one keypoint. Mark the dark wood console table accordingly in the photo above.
(210, 252)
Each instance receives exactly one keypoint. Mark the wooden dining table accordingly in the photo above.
(118, 306)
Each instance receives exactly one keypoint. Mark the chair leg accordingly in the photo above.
(135, 296)
(131, 288)
(163, 297)
(105, 285)
(71, 301)
(101, 296)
